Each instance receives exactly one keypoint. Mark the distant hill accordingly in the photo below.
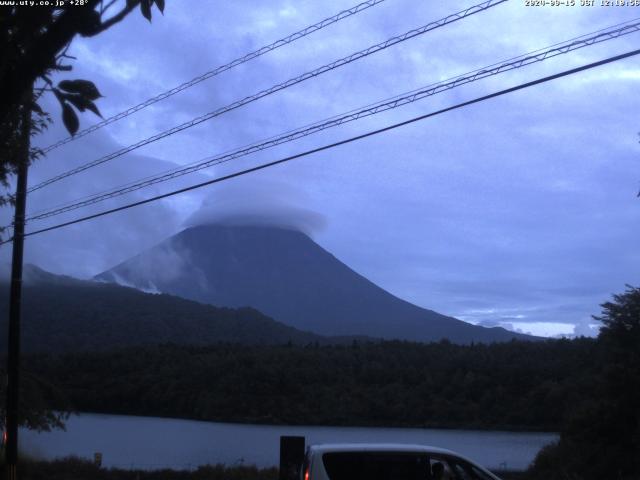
(62, 314)
(286, 275)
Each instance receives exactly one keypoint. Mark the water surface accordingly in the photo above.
(151, 443)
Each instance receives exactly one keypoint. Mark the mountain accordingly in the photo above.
(289, 277)
(61, 314)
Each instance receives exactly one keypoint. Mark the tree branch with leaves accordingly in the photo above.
(34, 41)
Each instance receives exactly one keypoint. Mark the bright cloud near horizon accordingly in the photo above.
(520, 211)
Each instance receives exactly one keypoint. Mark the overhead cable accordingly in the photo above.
(218, 70)
(276, 88)
(335, 144)
(389, 104)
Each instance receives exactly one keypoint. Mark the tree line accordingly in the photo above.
(516, 385)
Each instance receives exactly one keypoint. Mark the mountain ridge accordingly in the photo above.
(285, 274)
(65, 314)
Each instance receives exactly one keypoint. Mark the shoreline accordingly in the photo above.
(262, 423)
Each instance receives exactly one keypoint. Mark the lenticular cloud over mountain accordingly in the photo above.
(263, 203)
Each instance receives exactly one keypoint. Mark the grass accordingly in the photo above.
(74, 468)
(511, 475)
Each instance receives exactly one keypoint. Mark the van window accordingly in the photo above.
(440, 469)
(466, 471)
(376, 465)
(456, 469)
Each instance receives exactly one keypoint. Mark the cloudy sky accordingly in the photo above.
(520, 211)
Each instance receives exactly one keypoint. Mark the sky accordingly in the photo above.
(520, 211)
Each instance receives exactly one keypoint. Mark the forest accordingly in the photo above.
(516, 385)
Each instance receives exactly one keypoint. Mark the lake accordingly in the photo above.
(153, 443)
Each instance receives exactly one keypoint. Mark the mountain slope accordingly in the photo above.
(289, 277)
(62, 314)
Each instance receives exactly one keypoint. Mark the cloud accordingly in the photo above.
(86, 249)
(258, 202)
(586, 328)
(150, 288)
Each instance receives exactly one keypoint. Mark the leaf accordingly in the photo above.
(90, 24)
(82, 103)
(36, 108)
(59, 95)
(92, 106)
(83, 87)
(67, 85)
(160, 4)
(145, 8)
(70, 119)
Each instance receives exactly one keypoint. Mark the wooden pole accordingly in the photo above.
(15, 300)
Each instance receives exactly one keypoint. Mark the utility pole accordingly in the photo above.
(13, 358)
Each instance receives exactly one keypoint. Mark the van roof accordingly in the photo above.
(377, 447)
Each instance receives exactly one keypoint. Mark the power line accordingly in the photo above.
(336, 144)
(218, 70)
(394, 102)
(621, 29)
(276, 88)
(373, 109)
(179, 169)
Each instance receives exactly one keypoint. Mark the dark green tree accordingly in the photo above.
(602, 437)
(38, 396)
(620, 337)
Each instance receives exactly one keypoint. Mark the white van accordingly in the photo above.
(388, 462)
